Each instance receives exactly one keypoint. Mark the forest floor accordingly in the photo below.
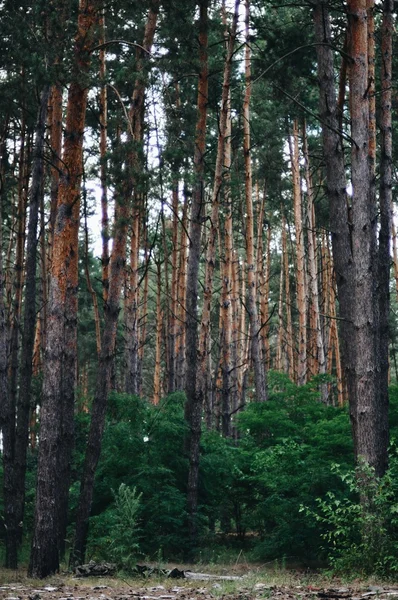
(247, 584)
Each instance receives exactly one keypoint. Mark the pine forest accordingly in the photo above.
(198, 283)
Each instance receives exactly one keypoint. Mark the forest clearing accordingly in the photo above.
(198, 288)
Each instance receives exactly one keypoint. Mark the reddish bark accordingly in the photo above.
(56, 436)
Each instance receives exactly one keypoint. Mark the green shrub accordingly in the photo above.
(289, 444)
(114, 535)
(361, 528)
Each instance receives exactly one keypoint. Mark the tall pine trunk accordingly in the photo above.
(385, 207)
(204, 339)
(135, 168)
(320, 359)
(105, 363)
(256, 353)
(194, 401)
(354, 238)
(300, 259)
(368, 418)
(229, 384)
(288, 303)
(56, 434)
(3, 318)
(158, 342)
(13, 533)
(14, 471)
(103, 118)
(181, 297)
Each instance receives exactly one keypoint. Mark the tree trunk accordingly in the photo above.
(158, 342)
(13, 533)
(235, 331)
(313, 271)
(204, 339)
(135, 167)
(181, 294)
(384, 259)
(265, 278)
(98, 411)
(56, 149)
(143, 319)
(194, 401)
(90, 288)
(103, 118)
(131, 309)
(228, 381)
(4, 392)
(42, 321)
(172, 333)
(300, 260)
(14, 471)
(18, 291)
(288, 303)
(56, 435)
(354, 237)
(281, 330)
(256, 354)
(340, 222)
(368, 417)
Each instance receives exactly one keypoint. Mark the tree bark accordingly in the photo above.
(181, 296)
(354, 237)
(13, 533)
(103, 118)
(384, 258)
(204, 339)
(256, 354)
(143, 319)
(340, 221)
(14, 471)
(172, 333)
(281, 330)
(366, 414)
(4, 392)
(97, 424)
(300, 259)
(288, 303)
(194, 401)
(131, 309)
(56, 435)
(18, 281)
(313, 271)
(158, 342)
(90, 288)
(135, 167)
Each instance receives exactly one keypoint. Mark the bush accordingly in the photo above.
(250, 492)
(289, 444)
(362, 527)
(114, 535)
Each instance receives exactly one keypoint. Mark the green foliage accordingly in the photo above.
(289, 444)
(115, 533)
(143, 449)
(361, 528)
(251, 492)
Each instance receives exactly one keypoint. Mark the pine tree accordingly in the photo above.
(56, 436)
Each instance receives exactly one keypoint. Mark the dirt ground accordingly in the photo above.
(215, 586)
